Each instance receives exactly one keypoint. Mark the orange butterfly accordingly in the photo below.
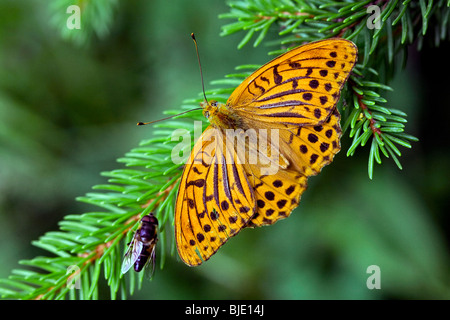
(251, 164)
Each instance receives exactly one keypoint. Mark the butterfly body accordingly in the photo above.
(220, 115)
(251, 165)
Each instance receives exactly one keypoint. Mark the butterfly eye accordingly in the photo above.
(214, 104)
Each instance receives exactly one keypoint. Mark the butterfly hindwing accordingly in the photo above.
(276, 195)
(310, 148)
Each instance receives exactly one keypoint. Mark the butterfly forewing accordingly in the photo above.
(300, 87)
(216, 201)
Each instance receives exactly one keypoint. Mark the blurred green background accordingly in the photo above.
(67, 112)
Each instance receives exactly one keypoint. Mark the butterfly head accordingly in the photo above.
(218, 114)
(210, 109)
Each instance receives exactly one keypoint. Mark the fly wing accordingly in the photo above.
(149, 267)
(132, 254)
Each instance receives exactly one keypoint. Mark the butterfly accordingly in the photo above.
(251, 164)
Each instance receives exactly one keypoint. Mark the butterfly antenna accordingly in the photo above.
(200, 65)
(203, 88)
(175, 115)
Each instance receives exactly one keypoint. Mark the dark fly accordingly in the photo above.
(141, 250)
